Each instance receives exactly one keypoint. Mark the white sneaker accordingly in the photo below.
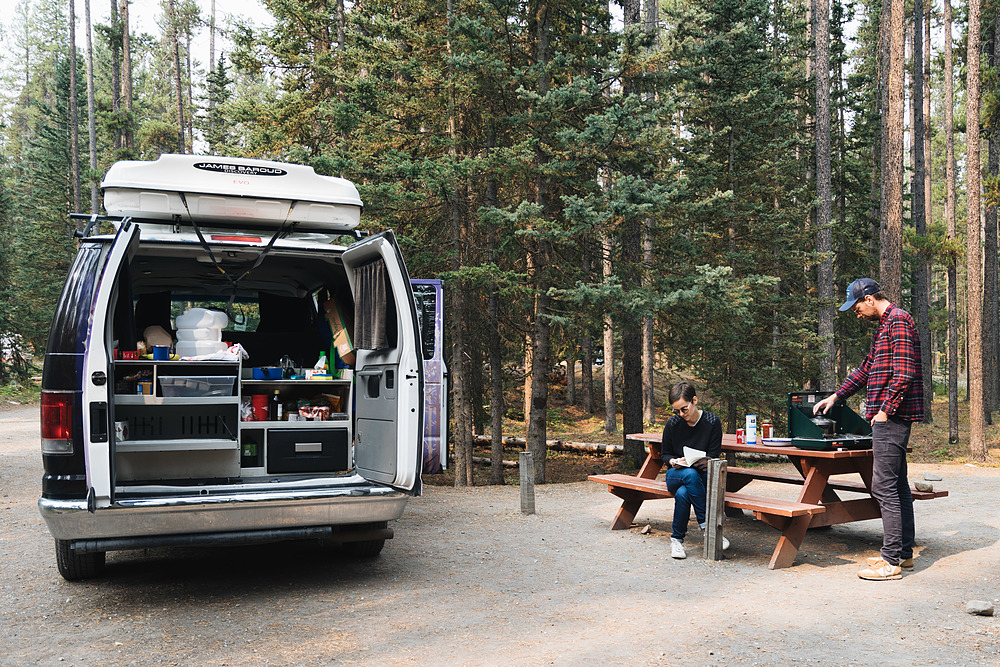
(677, 548)
(725, 542)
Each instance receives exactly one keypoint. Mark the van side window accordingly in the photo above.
(375, 308)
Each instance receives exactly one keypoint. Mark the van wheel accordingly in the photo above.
(74, 566)
(365, 548)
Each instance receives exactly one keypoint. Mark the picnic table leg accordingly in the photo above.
(789, 542)
(626, 513)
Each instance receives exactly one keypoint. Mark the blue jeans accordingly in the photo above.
(891, 488)
(688, 487)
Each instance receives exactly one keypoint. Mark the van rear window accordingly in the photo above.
(72, 313)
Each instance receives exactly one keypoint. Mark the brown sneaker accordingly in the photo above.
(881, 571)
(906, 564)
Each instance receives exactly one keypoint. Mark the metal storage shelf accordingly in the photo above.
(186, 444)
(146, 399)
(326, 423)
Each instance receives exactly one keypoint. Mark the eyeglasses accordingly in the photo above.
(682, 410)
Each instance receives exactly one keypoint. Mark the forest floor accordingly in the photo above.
(471, 580)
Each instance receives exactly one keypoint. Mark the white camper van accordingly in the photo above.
(221, 370)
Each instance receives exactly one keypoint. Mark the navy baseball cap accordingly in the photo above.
(858, 290)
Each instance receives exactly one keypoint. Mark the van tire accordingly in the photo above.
(74, 566)
(365, 548)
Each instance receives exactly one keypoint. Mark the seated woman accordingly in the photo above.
(697, 429)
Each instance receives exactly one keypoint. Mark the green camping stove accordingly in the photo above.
(848, 429)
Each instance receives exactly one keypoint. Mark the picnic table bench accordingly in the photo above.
(635, 489)
(818, 503)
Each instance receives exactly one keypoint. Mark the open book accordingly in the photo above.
(691, 456)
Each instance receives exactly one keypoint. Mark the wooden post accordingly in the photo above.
(714, 514)
(527, 469)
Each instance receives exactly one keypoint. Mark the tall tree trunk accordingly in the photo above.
(587, 351)
(630, 271)
(824, 233)
(571, 398)
(189, 115)
(538, 417)
(495, 348)
(463, 418)
(974, 255)
(928, 192)
(175, 48)
(950, 215)
(610, 423)
(891, 251)
(991, 290)
(648, 358)
(341, 26)
(126, 96)
(116, 73)
(74, 114)
(211, 40)
(91, 115)
(921, 277)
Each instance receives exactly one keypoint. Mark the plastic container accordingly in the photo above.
(196, 386)
(200, 333)
(267, 373)
(194, 318)
(196, 348)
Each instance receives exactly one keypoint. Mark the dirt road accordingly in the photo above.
(469, 580)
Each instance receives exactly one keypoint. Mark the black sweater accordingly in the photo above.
(705, 436)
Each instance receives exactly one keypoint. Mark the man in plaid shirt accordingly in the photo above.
(894, 399)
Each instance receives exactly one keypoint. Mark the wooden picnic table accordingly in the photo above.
(818, 503)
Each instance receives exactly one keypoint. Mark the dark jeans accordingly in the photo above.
(688, 487)
(891, 488)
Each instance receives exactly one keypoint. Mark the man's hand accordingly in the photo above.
(880, 416)
(824, 406)
(678, 463)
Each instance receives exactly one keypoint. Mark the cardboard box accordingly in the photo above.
(341, 333)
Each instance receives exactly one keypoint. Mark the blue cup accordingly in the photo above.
(161, 353)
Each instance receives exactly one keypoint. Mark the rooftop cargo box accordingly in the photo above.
(231, 193)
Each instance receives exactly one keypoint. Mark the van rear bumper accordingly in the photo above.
(222, 512)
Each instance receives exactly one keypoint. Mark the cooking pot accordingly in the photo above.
(827, 425)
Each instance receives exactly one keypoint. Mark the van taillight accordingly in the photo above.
(57, 422)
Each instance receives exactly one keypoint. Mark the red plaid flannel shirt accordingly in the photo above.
(891, 370)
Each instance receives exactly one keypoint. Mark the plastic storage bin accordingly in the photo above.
(196, 386)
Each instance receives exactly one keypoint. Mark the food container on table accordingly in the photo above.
(267, 373)
(751, 429)
(258, 403)
(314, 412)
(197, 385)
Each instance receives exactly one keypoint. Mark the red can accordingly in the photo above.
(741, 438)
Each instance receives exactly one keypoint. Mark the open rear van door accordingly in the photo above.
(389, 378)
(97, 382)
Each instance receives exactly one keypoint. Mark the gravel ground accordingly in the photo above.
(469, 580)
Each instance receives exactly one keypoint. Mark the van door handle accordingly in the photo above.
(99, 421)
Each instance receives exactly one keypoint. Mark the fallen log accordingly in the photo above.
(483, 460)
(591, 447)
(558, 445)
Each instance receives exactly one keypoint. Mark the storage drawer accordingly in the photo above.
(307, 450)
